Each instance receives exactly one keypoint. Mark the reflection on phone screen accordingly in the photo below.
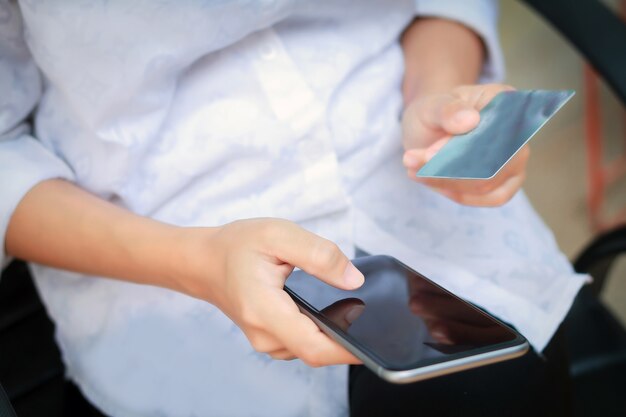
(400, 316)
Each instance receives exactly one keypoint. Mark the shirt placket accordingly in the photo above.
(296, 105)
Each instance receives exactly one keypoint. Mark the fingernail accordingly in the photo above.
(352, 277)
(354, 313)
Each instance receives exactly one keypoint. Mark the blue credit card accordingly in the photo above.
(506, 124)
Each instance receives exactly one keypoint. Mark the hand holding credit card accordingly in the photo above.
(507, 123)
(470, 143)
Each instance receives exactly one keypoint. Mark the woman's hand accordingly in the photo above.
(428, 123)
(240, 267)
(255, 257)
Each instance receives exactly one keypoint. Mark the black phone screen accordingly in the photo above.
(400, 317)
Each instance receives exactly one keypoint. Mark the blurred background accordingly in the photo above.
(537, 56)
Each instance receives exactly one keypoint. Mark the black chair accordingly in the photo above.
(31, 369)
(596, 339)
(595, 31)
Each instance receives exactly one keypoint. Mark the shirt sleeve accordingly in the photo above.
(479, 15)
(24, 160)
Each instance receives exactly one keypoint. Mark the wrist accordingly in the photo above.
(439, 55)
(196, 262)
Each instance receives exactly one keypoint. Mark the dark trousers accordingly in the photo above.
(529, 386)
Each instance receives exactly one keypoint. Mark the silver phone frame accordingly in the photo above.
(406, 376)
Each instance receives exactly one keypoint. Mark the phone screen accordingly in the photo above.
(400, 317)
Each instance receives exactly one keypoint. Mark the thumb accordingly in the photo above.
(414, 159)
(319, 257)
(451, 114)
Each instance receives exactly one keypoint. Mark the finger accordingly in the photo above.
(479, 96)
(469, 186)
(315, 255)
(414, 159)
(455, 113)
(449, 113)
(449, 186)
(516, 166)
(263, 342)
(303, 338)
(495, 198)
(282, 355)
(344, 312)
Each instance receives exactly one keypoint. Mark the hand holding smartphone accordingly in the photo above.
(404, 327)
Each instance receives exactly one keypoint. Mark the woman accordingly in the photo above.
(202, 150)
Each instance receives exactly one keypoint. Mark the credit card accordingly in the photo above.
(506, 124)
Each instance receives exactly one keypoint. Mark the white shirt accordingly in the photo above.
(198, 113)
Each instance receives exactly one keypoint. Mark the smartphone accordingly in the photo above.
(403, 326)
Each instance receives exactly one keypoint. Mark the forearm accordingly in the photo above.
(439, 55)
(60, 225)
